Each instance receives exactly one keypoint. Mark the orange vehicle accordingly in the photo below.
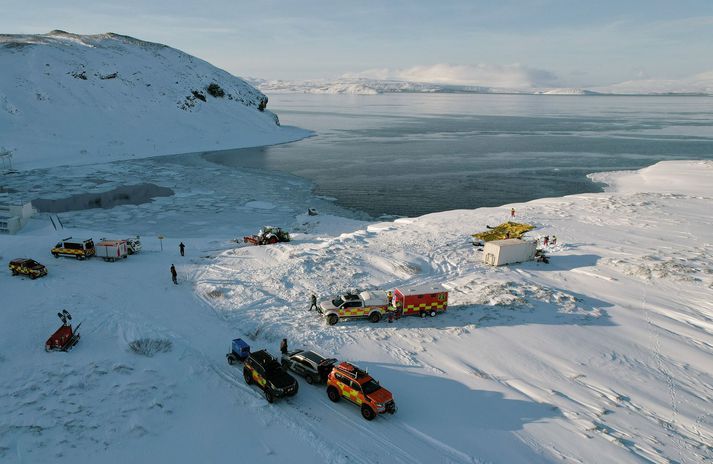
(356, 385)
(424, 300)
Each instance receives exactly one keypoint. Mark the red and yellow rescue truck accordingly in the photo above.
(80, 249)
(356, 385)
(422, 300)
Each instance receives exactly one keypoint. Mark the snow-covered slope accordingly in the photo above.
(67, 98)
(603, 355)
(567, 91)
(364, 86)
(699, 85)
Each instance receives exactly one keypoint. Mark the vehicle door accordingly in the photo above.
(298, 365)
(357, 396)
(353, 308)
(308, 367)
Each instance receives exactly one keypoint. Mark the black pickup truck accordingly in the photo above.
(262, 369)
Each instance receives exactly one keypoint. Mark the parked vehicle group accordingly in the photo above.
(343, 380)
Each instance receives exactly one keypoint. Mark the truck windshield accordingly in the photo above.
(370, 387)
(337, 301)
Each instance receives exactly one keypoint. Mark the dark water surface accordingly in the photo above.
(412, 154)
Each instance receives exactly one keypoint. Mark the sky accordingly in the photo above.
(505, 43)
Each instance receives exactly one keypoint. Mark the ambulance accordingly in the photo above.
(422, 300)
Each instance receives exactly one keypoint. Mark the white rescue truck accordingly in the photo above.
(355, 305)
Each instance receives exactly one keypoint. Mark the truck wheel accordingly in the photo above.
(269, 396)
(79, 257)
(309, 379)
(422, 314)
(367, 413)
(248, 376)
(14, 272)
(332, 319)
(56, 255)
(33, 276)
(433, 313)
(375, 316)
(232, 359)
(297, 388)
(333, 394)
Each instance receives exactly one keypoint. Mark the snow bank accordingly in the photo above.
(80, 99)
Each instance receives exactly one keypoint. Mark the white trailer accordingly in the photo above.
(111, 250)
(512, 250)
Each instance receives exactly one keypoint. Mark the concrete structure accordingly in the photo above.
(14, 217)
(512, 250)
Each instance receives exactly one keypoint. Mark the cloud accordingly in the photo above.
(486, 75)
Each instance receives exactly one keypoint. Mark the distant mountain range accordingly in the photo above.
(703, 86)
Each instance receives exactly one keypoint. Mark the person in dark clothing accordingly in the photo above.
(547, 240)
(283, 346)
(174, 274)
(313, 302)
(181, 247)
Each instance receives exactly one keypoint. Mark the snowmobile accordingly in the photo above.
(268, 235)
(65, 337)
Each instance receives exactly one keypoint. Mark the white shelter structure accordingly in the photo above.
(512, 250)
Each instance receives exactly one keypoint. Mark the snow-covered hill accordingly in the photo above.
(94, 98)
(567, 91)
(700, 86)
(365, 86)
(602, 355)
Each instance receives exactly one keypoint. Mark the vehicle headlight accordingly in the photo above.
(379, 405)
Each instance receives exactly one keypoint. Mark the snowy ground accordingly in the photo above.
(604, 355)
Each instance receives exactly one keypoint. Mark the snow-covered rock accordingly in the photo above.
(94, 98)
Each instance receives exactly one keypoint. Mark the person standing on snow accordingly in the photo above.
(389, 297)
(181, 247)
(174, 274)
(512, 212)
(283, 346)
(554, 240)
(313, 302)
(546, 240)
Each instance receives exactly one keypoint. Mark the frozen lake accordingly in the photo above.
(412, 154)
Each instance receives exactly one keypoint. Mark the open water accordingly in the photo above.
(411, 154)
